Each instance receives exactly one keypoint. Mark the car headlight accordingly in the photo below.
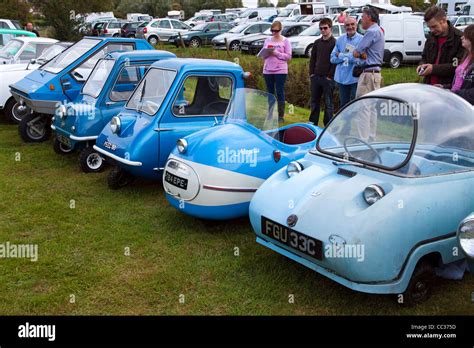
(466, 236)
(294, 168)
(115, 125)
(259, 43)
(182, 145)
(373, 193)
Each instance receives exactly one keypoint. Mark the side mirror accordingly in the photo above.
(207, 30)
(33, 61)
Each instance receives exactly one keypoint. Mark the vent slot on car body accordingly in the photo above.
(345, 172)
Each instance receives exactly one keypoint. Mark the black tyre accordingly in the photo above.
(308, 51)
(153, 40)
(35, 128)
(131, 36)
(195, 42)
(234, 46)
(116, 35)
(90, 161)
(15, 112)
(60, 148)
(420, 285)
(395, 60)
(119, 178)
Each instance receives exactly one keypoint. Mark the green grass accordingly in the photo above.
(82, 253)
(82, 250)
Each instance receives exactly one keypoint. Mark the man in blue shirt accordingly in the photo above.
(342, 55)
(369, 55)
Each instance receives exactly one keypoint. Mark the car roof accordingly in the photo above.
(140, 54)
(114, 39)
(185, 64)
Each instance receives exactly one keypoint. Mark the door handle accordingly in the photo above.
(66, 85)
(419, 43)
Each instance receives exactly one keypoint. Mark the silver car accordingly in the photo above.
(302, 45)
(112, 29)
(233, 36)
(161, 30)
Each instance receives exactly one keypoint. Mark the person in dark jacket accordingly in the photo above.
(321, 72)
(443, 50)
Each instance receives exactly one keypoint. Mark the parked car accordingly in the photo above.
(105, 92)
(376, 205)
(255, 15)
(213, 173)
(289, 13)
(112, 29)
(310, 18)
(201, 34)
(130, 29)
(161, 30)
(97, 28)
(233, 36)
(10, 24)
(302, 44)
(23, 49)
(9, 74)
(8, 34)
(176, 97)
(404, 38)
(197, 20)
(60, 80)
(269, 19)
(254, 43)
(461, 22)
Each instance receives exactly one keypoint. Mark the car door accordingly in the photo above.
(73, 82)
(414, 39)
(177, 27)
(201, 100)
(164, 29)
(211, 30)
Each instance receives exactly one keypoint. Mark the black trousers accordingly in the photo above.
(321, 87)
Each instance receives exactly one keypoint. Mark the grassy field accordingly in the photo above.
(129, 252)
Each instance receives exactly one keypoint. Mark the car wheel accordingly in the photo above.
(395, 60)
(234, 46)
(61, 149)
(116, 35)
(153, 40)
(14, 111)
(35, 128)
(195, 42)
(131, 36)
(420, 285)
(308, 51)
(90, 161)
(119, 178)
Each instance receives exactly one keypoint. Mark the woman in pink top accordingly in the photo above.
(462, 69)
(275, 68)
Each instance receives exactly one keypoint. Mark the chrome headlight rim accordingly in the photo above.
(293, 168)
(62, 111)
(373, 189)
(460, 233)
(115, 125)
(182, 145)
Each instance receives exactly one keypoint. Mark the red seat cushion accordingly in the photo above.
(298, 135)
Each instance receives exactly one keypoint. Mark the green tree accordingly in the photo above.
(61, 15)
(264, 3)
(16, 9)
(283, 3)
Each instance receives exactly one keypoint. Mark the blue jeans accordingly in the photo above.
(346, 93)
(276, 82)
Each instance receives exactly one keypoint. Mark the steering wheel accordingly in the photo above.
(366, 144)
(211, 106)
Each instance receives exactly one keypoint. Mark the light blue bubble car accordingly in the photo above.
(376, 205)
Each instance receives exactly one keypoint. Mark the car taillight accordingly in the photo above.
(105, 31)
(144, 30)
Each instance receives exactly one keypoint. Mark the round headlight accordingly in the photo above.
(182, 145)
(294, 168)
(466, 236)
(115, 125)
(373, 193)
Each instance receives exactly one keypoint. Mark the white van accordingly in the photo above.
(467, 9)
(255, 15)
(289, 12)
(138, 17)
(452, 7)
(313, 8)
(404, 38)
